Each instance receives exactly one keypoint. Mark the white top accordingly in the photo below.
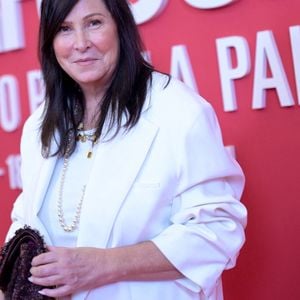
(76, 177)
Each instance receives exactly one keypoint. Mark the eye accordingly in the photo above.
(95, 23)
(64, 28)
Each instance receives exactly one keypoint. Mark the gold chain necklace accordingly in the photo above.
(82, 136)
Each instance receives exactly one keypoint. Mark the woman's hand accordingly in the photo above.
(69, 270)
(72, 270)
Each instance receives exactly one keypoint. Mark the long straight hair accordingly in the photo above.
(64, 102)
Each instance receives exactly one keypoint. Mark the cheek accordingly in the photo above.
(115, 43)
(114, 47)
(108, 42)
(61, 49)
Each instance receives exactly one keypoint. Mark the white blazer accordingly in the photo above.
(169, 180)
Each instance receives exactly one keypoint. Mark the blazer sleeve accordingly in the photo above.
(17, 218)
(18, 211)
(29, 143)
(19, 207)
(208, 219)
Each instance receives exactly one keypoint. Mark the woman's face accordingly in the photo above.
(87, 44)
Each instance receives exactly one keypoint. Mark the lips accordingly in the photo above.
(85, 61)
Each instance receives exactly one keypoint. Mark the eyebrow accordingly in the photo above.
(87, 17)
(93, 14)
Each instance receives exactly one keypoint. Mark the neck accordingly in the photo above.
(92, 98)
(90, 119)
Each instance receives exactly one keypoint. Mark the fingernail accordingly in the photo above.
(30, 279)
(42, 292)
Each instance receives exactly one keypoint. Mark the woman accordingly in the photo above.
(124, 171)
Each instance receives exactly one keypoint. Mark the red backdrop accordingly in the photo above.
(263, 130)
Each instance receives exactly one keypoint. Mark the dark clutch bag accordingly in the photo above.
(15, 262)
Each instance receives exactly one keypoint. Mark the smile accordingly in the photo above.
(85, 62)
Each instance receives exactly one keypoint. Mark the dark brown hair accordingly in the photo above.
(64, 105)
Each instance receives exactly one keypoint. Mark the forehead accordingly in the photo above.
(86, 7)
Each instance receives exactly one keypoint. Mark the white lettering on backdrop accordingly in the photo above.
(10, 112)
(228, 73)
(11, 26)
(181, 66)
(35, 89)
(267, 56)
(13, 163)
(208, 4)
(295, 45)
(145, 10)
(38, 5)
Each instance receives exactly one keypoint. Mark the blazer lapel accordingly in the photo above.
(41, 179)
(41, 182)
(116, 166)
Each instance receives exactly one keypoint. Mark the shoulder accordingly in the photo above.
(34, 121)
(173, 101)
(31, 130)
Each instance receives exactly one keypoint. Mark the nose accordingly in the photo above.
(82, 41)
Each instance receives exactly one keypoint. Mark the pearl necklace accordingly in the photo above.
(61, 218)
(74, 224)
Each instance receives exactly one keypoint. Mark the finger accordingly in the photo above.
(51, 248)
(44, 258)
(45, 270)
(45, 281)
(60, 291)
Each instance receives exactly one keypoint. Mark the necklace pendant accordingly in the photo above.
(81, 138)
(89, 154)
